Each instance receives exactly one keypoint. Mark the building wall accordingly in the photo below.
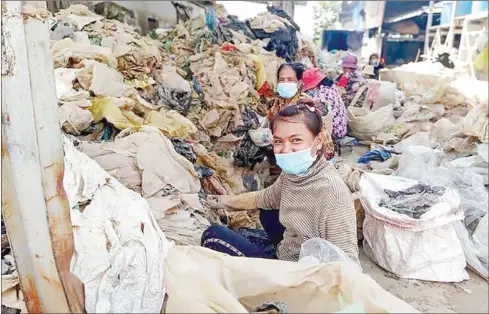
(370, 46)
(374, 13)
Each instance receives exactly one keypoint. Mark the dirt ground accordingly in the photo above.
(433, 297)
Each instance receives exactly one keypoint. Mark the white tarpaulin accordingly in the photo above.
(199, 280)
(119, 249)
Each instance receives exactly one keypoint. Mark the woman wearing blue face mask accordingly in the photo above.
(289, 87)
(290, 91)
(309, 199)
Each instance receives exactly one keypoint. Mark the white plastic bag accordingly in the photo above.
(364, 124)
(386, 95)
(476, 123)
(426, 165)
(320, 251)
(426, 248)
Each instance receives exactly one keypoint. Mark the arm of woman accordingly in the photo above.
(268, 198)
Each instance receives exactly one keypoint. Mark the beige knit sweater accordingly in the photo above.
(315, 205)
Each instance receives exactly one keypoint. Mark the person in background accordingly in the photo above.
(351, 79)
(289, 87)
(309, 199)
(368, 71)
(323, 90)
(377, 63)
(290, 90)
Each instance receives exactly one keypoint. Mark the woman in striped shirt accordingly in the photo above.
(308, 200)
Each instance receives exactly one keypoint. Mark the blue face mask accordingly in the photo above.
(296, 163)
(287, 90)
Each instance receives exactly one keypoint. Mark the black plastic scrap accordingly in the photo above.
(184, 149)
(284, 41)
(175, 99)
(271, 307)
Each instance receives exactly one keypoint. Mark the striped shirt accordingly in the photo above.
(315, 205)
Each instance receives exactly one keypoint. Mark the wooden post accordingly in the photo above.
(34, 203)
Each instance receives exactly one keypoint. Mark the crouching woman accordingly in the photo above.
(308, 200)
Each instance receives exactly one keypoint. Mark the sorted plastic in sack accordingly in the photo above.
(364, 124)
(442, 130)
(427, 248)
(425, 164)
(414, 201)
(386, 95)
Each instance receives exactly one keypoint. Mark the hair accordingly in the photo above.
(297, 67)
(373, 55)
(306, 111)
(326, 82)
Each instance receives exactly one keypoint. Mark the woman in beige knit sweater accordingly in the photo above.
(308, 200)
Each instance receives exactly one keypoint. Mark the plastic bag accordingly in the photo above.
(426, 165)
(320, 251)
(476, 123)
(386, 95)
(171, 123)
(107, 108)
(442, 130)
(426, 248)
(73, 119)
(418, 139)
(364, 124)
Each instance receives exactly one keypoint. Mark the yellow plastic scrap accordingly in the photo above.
(481, 62)
(106, 108)
(261, 74)
(171, 123)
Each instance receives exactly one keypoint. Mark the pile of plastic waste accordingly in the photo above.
(205, 84)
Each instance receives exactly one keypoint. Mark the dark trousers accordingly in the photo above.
(235, 243)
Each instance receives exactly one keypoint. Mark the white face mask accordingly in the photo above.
(287, 90)
(297, 163)
(374, 62)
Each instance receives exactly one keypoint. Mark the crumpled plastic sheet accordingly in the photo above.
(200, 280)
(320, 251)
(119, 249)
(175, 99)
(426, 165)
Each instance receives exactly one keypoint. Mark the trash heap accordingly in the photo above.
(204, 84)
(432, 130)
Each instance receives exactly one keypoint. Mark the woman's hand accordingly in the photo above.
(220, 202)
(245, 201)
